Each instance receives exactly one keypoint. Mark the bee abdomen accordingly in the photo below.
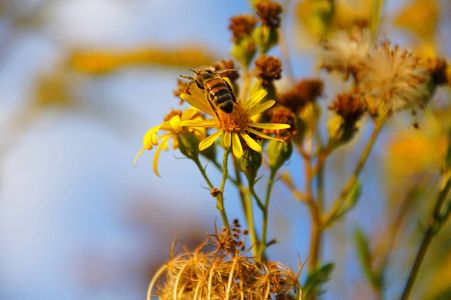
(220, 95)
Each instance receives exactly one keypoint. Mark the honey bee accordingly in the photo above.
(219, 92)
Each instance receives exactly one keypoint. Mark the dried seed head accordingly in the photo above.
(182, 87)
(283, 115)
(268, 69)
(215, 192)
(350, 106)
(438, 67)
(227, 65)
(242, 26)
(307, 90)
(172, 114)
(269, 13)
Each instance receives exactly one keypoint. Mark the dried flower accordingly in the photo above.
(269, 13)
(349, 106)
(242, 26)
(307, 90)
(345, 52)
(395, 78)
(224, 273)
(438, 68)
(268, 69)
(233, 74)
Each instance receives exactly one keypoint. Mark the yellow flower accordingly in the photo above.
(235, 126)
(172, 126)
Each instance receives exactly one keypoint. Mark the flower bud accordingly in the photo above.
(266, 38)
(244, 51)
(278, 154)
(340, 131)
(249, 163)
(188, 145)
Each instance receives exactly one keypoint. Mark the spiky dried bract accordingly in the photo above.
(242, 26)
(269, 13)
(350, 106)
(345, 52)
(395, 78)
(182, 87)
(307, 90)
(224, 273)
(227, 65)
(268, 69)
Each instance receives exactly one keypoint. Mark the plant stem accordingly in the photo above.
(358, 169)
(434, 226)
(266, 212)
(219, 197)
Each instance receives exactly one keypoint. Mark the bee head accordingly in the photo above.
(203, 74)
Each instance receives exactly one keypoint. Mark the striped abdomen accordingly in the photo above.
(220, 94)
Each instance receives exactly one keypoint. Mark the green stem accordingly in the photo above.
(246, 204)
(434, 226)
(358, 169)
(219, 197)
(266, 212)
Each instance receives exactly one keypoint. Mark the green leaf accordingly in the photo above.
(316, 279)
(351, 200)
(364, 252)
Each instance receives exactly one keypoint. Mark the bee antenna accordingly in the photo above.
(195, 71)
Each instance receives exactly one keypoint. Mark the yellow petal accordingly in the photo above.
(189, 113)
(251, 142)
(200, 123)
(175, 124)
(150, 138)
(157, 155)
(255, 99)
(199, 101)
(209, 140)
(137, 155)
(259, 108)
(227, 139)
(263, 135)
(274, 126)
(236, 146)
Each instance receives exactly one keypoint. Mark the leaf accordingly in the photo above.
(316, 279)
(364, 252)
(351, 200)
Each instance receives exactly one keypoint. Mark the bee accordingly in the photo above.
(219, 92)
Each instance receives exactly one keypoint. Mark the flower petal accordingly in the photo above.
(157, 155)
(137, 155)
(259, 108)
(237, 149)
(263, 135)
(189, 113)
(200, 123)
(251, 142)
(274, 126)
(227, 139)
(198, 100)
(209, 140)
(255, 99)
(175, 124)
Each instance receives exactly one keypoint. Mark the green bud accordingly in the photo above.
(266, 38)
(244, 51)
(270, 89)
(278, 154)
(249, 163)
(340, 132)
(324, 10)
(188, 145)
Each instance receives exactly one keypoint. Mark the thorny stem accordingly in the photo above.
(219, 197)
(358, 169)
(434, 225)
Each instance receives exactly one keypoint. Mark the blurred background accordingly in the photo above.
(81, 81)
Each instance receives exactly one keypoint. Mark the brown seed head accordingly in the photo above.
(269, 13)
(182, 87)
(224, 65)
(242, 26)
(283, 115)
(350, 107)
(437, 67)
(215, 192)
(307, 90)
(268, 69)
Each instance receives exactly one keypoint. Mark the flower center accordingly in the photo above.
(237, 120)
